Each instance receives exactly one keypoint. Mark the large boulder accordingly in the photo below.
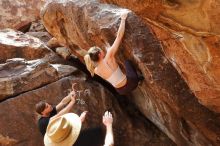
(15, 44)
(190, 37)
(19, 121)
(200, 17)
(19, 75)
(37, 30)
(164, 97)
(16, 14)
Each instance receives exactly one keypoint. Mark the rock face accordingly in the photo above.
(44, 36)
(91, 96)
(18, 75)
(18, 13)
(167, 96)
(190, 39)
(15, 44)
(37, 30)
(200, 17)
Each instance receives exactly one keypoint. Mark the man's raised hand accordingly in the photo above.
(83, 116)
(107, 119)
(73, 93)
(124, 15)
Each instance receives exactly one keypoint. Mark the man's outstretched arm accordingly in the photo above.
(107, 121)
(66, 99)
(66, 109)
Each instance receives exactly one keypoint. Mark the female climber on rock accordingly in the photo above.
(106, 66)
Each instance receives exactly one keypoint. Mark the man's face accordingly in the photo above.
(48, 108)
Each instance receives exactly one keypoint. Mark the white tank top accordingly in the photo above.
(116, 77)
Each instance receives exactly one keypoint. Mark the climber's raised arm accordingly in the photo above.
(114, 48)
(105, 64)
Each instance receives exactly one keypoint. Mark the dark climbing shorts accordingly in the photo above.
(132, 79)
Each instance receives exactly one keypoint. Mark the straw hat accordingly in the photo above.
(63, 131)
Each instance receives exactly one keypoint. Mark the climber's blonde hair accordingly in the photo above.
(91, 58)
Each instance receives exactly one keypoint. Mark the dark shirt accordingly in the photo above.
(43, 121)
(90, 137)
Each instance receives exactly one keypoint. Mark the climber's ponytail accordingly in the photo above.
(91, 58)
(89, 64)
